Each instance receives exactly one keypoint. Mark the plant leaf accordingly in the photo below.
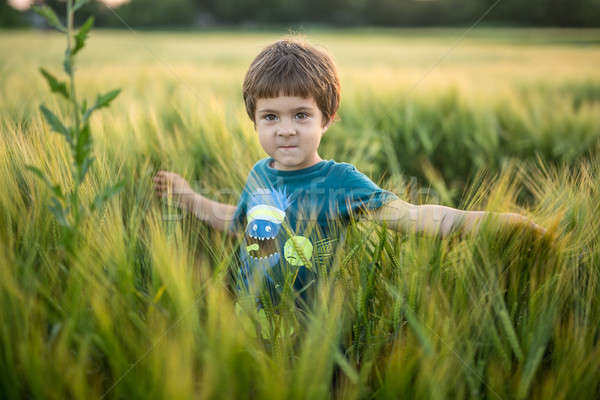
(67, 63)
(84, 168)
(59, 212)
(50, 17)
(78, 4)
(81, 36)
(83, 145)
(102, 198)
(54, 187)
(105, 99)
(55, 124)
(101, 101)
(55, 85)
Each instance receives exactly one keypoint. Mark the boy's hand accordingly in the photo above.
(169, 183)
(522, 221)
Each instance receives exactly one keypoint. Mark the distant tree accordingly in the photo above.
(10, 17)
(549, 12)
(173, 13)
(152, 13)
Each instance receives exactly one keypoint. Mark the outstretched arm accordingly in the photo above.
(218, 215)
(439, 220)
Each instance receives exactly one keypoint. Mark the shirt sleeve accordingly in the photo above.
(359, 193)
(237, 221)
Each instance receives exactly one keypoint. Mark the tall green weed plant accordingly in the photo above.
(66, 204)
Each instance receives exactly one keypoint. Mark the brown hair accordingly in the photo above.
(292, 67)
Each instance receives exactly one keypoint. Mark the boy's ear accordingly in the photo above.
(328, 124)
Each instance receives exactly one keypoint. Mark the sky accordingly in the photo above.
(25, 4)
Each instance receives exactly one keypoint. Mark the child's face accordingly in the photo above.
(289, 130)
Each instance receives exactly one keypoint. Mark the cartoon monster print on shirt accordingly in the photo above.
(264, 235)
(266, 212)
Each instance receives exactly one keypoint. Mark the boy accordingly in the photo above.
(292, 93)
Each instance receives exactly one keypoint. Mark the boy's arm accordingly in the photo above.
(218, 215)
(439, 220)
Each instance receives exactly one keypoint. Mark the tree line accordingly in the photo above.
(190, 13)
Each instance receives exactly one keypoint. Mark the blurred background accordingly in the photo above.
(206, 13)
(441, 88)
(476, 104)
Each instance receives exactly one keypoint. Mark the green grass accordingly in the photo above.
(506, 121)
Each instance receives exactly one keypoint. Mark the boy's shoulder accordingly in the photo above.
(329, 166)
(346, 167)
(329, 173)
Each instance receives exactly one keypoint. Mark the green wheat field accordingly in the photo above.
(492, 119)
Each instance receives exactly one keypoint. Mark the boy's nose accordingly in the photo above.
(286, 130)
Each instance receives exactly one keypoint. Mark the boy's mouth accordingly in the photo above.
(260, 248)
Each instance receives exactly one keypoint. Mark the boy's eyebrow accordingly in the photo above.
(295, 109)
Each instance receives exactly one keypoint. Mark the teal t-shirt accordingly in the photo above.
(289, 220)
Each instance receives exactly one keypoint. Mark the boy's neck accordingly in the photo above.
(315, 160)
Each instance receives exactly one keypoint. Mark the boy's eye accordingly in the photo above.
(302, 115)
(270, 117)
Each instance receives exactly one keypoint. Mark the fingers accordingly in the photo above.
(169, 184)
(160, 176)
(165, 177)
(160, 184)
